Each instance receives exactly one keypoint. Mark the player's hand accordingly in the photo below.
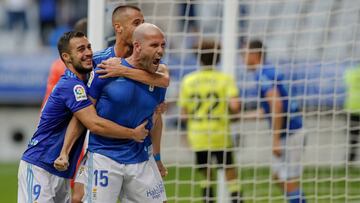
(161, 108)
(62, 163)
(111, 68)
(276, 149)
(140, 132)
(162, 169)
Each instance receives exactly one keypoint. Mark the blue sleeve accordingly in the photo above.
(162, 95)
(96, 84)
(266, 84)
(75, 96)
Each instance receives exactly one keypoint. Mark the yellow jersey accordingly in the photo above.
(205, 96)
(352, 80)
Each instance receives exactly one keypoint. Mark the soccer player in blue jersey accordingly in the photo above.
(38, 180)
(285, 120)
(121, 167)
(125, 19)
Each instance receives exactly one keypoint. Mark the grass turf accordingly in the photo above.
(321, 184)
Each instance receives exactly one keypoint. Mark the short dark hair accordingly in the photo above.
(122, 8)
(209, 52)
(81, 26)
(257, 46)
(64, 41)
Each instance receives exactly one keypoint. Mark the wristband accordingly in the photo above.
(157, 157)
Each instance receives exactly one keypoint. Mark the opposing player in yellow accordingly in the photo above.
(207, 98)
(352, 78)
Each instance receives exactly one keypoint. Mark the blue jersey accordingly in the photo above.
(128, 103)
(103, 55)
(267, 78)
(68, 96)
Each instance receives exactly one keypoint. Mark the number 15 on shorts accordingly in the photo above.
(101, 178)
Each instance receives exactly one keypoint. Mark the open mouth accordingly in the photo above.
(156, 62)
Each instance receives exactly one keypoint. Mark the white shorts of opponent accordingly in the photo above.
(37, 185)
(288, 165)
(110, 180)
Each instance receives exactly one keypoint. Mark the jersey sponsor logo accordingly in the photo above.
(79, 92)
(151, 88)
(91, 78)
(156, 191)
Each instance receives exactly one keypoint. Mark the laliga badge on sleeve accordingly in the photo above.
(79, 92)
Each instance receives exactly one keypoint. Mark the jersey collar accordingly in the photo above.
(70, 74)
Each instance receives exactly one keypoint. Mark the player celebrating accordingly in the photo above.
(284, 118)
(122, 167)
(38, 180)
(125, 19)
(206, 97)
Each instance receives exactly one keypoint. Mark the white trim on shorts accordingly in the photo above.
(37, 185)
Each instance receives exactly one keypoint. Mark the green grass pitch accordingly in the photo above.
(321, 185)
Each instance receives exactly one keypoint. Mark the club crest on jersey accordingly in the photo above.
(79, 92)
(151, 88)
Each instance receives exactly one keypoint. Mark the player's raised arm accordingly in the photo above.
(113, 68)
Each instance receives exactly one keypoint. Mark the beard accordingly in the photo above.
(80, 69)
(147, 64)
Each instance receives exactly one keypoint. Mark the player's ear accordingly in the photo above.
(65, 56)
(118, 28)
(137, 46)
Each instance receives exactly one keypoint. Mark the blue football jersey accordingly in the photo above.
(69, 96)
(267, 78)
(103, 55)
(128, 103)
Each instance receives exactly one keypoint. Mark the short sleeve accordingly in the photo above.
(265, 83)
(75, 96)
(96, 84)
(162, 94)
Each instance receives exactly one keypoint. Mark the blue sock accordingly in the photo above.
(296, 197)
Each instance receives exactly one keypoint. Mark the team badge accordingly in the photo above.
(79, 92)
(91, 78)
(151, 88)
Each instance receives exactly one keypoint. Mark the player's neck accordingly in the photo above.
(81, 76)
(134, 61)
(121, 48)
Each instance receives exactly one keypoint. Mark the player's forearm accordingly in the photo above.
(73, 132)
(110, 129)
(89, 118)
(156, 133)
(277, 119)
(156, 79)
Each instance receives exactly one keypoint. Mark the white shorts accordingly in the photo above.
(109, 180)
(289, 166)
(37, 185)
